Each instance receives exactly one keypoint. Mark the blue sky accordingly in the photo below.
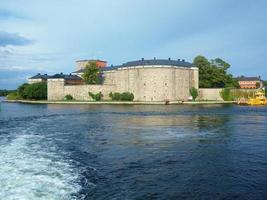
(48, 36)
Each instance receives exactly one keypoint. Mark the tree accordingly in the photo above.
(213, 74)
(92, 74)
(22, 90)
(35, 91)
(194, 93)
(258, 85)
(204, 71)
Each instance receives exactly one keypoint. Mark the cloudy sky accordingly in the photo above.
(48, 36)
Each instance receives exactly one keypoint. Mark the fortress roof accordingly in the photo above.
(66, 76)
(143, 62)
(86, 60)
(40, 76)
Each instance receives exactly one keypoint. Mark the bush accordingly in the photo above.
(115, 96)
(22, 90)
(97, 97)
(125, 96)
(194, 93)
(226, 94)
(36, 91)
(68, 97)
(13, 96)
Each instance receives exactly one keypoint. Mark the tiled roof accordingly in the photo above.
(143, 62)
(40, 76)
(91, 60)
(241, 78)
(66, 76)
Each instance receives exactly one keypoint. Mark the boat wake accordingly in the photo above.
(32, 169)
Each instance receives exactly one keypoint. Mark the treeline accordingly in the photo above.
(35, 91)
(214, 73)
(6, 92)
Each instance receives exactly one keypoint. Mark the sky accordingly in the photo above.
(39, 36)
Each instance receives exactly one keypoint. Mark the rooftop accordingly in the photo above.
(66, 76)
(243, 78)
(143, 62)
(40, 76)
(91, 60)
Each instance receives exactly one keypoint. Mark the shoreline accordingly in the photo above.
(120, 102)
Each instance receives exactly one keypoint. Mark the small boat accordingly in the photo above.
(259, 99)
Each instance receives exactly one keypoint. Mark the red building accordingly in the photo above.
(250, 82)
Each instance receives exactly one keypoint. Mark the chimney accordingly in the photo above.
(169, 58)
(183, 60)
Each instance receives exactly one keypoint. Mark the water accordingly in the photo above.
(132, 152)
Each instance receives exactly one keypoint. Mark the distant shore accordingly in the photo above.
(121, 102)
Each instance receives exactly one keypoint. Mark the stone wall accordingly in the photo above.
(57, 90)
(158, 83)
(80, 92)
(210, 94)
(149, 83)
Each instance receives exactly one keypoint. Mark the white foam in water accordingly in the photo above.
(30, 171)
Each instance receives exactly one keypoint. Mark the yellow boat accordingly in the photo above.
(259, 99)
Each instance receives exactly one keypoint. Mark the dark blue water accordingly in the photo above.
(132, 152)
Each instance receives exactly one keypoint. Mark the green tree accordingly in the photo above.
(194, 93)
(34, 91)
(22, 90)
(91, 74)
(213, 74)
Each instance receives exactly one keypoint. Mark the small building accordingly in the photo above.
(250, 82)
(69, 79)
(38, 78)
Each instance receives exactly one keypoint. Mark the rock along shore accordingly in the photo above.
(121, 102)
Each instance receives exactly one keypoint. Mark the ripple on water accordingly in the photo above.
(30, 171)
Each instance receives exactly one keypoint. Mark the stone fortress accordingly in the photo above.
(149, 80)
